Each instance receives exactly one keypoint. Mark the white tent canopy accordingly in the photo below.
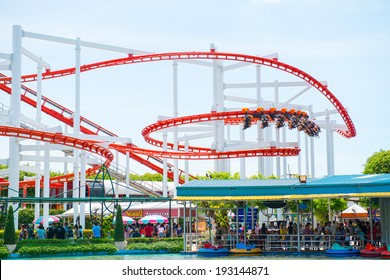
(355, 211)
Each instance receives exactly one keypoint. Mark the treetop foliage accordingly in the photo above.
(378, 163)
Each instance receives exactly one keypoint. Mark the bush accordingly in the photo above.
(154, 240)
(9, 231)
(172, 246)
(119, 233)
(59, 242)
(66, 249)
(3, 252)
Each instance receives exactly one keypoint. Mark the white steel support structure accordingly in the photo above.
(329, 145)
(307, 172)
(76, 130)
(82, 187)
(284, 139)
(299, 158)
(46, 184)
(260, 132)
(277, 131)
(16, 66)
(65, 172)
(242, 160)
(38, 153)
(127, 173)
(165, 170)
(186, 163)
(175, 131)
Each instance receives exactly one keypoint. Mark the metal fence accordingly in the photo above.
(277, 242)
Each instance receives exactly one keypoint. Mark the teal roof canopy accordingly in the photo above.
(374, 185)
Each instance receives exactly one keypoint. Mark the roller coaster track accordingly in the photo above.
(58, 138)
(273, 63)
(66, 116)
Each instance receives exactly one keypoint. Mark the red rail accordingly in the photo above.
(351, 132)
(58, 138)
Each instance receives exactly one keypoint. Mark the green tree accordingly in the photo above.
(378, 163)
(119, 233)
(321, 210)
(9, 231)
(26, 216)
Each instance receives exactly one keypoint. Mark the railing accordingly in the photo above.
(278, 243)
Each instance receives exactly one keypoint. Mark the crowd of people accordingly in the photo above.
(283, 235)
(65, 231)
(53, 231)
(149, 230)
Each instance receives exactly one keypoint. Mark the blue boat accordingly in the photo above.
(213, 252)
(342, 251)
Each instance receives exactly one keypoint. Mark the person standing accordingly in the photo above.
(41, 233)
(70, 233)
(149, 230)
(179, 230)
(161, 230)
(50, 232)
(96, 231)
(23, 232)
(60, 232)
(30, 231)
(80, 232)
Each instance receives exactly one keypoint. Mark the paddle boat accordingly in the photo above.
(386, 254)
(245, 250)
(342, 251)
(210, 250)
(372, 251)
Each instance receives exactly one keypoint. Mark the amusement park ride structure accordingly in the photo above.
(270, 118)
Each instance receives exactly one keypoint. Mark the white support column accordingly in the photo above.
(269, 165)
(277, 158)
(220, 108)
(228, 127)
(127, 173)
(82, 187)
(299, 158)
(38, 152)
(76, 118)
(16, 64)
(175, 130)
(76, 180)
(66, 172)
(165, 171)
(186, 162)
(277, 131)
(312, 163)
(329, 145)
(307, 172)
(46, 184)
(260, 132)
(242, 160)
(76, 129)
(284, 139)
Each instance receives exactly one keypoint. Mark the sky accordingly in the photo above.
(345, 43)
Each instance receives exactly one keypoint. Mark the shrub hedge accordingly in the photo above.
(172, 247)
(66, 249)
(3, 252)
(37, 247)
(154, 240)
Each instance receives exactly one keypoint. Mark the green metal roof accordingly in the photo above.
(377, 185)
